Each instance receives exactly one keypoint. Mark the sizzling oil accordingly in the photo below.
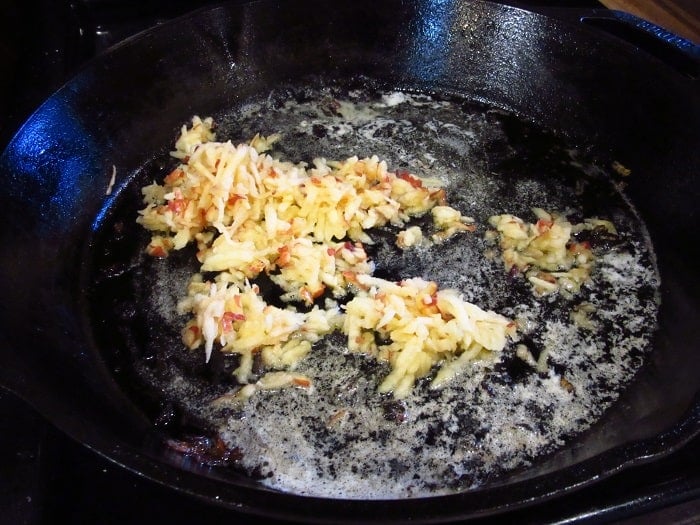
(344, 440)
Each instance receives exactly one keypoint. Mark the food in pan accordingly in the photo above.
(547, 252)
(251, 214)
(308, 415)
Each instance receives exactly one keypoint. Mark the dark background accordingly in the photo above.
(46, 478)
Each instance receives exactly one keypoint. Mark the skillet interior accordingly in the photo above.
(502, 415)
(510, 58)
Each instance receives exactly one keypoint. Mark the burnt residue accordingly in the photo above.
(211, 451)
(600, 238)
(395, 411)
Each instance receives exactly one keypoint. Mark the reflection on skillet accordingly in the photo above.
(573, 354)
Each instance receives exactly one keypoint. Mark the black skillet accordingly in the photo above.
(124, 108)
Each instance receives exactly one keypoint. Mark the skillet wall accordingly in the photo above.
(126, 107)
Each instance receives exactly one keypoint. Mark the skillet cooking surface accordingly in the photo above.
(344, 439)
(602, 96)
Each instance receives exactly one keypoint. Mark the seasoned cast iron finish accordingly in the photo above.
(125, 108)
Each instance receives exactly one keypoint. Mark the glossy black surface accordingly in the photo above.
(57, 169)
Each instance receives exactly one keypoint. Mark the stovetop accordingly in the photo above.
(47, 478)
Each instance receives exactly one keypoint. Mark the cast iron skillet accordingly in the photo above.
(125, 107)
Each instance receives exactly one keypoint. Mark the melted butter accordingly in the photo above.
(342, 439)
